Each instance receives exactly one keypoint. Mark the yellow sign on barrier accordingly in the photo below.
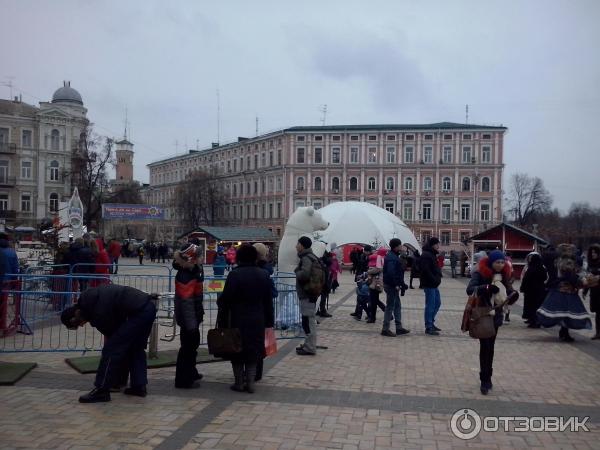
(215, 286)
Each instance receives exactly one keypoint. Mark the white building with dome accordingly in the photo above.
(36, 149)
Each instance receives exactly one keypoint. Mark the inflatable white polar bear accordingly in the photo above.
(303, 222)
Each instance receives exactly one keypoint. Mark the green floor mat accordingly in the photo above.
(89, 364)
(10, 373)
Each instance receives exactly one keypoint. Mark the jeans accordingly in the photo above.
(309, 324)
(432, 306)
(392, 307)
(374, 302)
(185, 371)
(125, 347)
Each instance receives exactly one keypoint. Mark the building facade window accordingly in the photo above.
(486, 154)
(353, 184)
(446, 184)
(466, 184)
(485, 184)
(447, 154)
(426, 211)
(336, 155)
(54, 140)
(300, 183)
(464, 236)
(372, 152)
(389, 207)
(3, 202)
(354, 155)
(53, 202)
(335, 184)
(318, 184)
(300, 155)
(26, 202)
(428, 154)
(26, 138)
(318, 155)
(427, 184)
(407, 211)
(465, 212)
(389, 183)
(279, 184)
(3, 171)
(445, 238)
(371, 184)
(54, 166)
(466, 155)
(485, 212)
(446, 211)
(409, 154)
(408, 184)
(317, 204)
(26, 169)
(391, 155)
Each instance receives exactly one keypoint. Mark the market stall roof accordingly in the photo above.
(363, 223)
(236, 234)
(491, 231)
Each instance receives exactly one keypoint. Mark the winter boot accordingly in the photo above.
(250, 375)
(238, 374)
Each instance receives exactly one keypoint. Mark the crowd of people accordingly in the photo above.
(551, 282)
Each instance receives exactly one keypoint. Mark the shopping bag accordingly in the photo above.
(270, 342)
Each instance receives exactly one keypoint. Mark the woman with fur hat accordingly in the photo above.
(189, 313)
(593, 260)
(562, 305)
(491, 282)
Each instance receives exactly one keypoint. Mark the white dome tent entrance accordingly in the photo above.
(363, 223)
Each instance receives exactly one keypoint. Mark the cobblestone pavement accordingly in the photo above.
(364, 391)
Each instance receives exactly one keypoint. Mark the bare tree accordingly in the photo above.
(90, 162)
(198, 199)
(528, 197)
(126, 193)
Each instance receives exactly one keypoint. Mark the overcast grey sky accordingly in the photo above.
(533, 66)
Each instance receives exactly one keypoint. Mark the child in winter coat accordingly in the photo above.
(362, 296)
(189, 313)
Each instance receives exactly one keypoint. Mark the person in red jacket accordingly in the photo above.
(114, 252)
(101, 270)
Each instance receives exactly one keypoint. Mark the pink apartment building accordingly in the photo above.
(442, 179)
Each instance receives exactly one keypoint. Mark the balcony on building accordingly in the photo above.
(6, 147)
(7, 181)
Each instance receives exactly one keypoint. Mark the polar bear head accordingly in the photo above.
(305, 220)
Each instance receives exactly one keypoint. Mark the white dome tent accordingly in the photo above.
(363, 223)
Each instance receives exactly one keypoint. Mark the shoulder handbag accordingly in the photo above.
(477, 319)
(223, 341)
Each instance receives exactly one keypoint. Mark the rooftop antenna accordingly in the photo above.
(467, 114)
(324, 117)
(176, 146)
(9, 84)
(256, 125)
(197, 144)
(126, 122)
(218, 116)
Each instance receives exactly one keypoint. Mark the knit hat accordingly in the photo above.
(395, 242)
(433, 241)
(262, 251)
(305, 242)
(189, 250)
(496, 255)
(67, 315)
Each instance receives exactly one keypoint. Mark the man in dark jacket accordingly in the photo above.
(124, 315)
(10, 258)
(81, 259)
(393, 285)
(307, 300)
(431, 277)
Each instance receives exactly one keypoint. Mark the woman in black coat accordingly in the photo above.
(533, 288)
(246, 304)
(491, 282)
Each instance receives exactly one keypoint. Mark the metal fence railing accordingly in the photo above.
(31, 303)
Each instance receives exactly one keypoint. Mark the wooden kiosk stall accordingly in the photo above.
(213, 237)
(508, 238)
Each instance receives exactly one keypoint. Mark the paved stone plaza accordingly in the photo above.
(364, 391)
